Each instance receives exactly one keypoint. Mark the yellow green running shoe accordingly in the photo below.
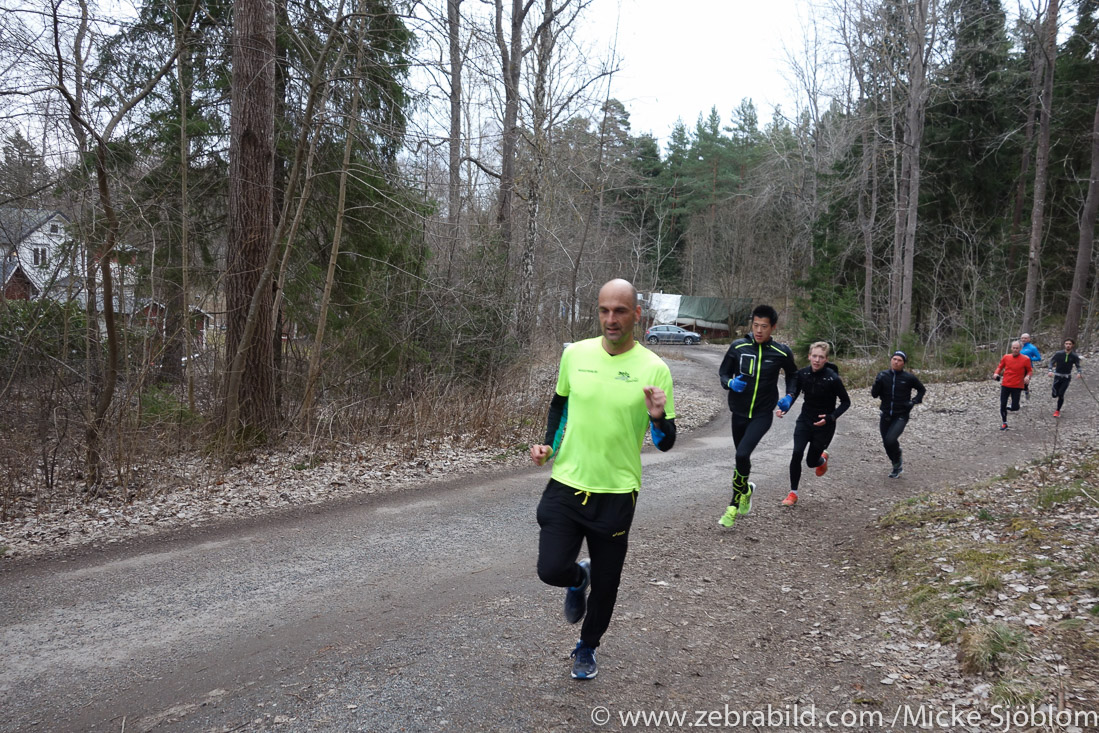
(728, 519)
(744, 504)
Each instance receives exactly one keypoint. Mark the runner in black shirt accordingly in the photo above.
(1060, 368)
(894, 387)
(820, 383)
(749, 372)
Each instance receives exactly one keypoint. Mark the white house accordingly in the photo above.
(38, 257)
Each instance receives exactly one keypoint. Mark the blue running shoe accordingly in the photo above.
(583, 664)
(576, 601)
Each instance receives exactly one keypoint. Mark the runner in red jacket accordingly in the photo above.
(1015, 370)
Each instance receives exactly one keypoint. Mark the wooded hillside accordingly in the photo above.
(319, 221)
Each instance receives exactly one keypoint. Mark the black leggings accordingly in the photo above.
(891, 429)
(567, 517)
(747, 432)
(1005, 393)
(817, 439)
(1060, 386)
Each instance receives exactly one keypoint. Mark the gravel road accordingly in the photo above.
(421, 610)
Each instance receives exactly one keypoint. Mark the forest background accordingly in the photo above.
(390, 211)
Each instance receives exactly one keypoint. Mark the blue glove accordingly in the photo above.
(785, 402)
(737, 383)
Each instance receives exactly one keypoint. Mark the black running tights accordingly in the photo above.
(747, 432)
(891, 429)
(567, 517)
(1005, 393)
(817, 439)
(1060, 386)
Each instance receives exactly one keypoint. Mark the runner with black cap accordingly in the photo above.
(894, 388)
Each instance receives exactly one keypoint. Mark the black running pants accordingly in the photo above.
(567, 517)
(1060, 386)
(1005, 393)
(816, 439)
(747, 432)
(891, 428)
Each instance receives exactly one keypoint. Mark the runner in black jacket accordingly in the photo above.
(749, 372)
(821, 384)
(1060, 368)
(894, 387)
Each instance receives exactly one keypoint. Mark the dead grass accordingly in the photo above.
(1007, 571)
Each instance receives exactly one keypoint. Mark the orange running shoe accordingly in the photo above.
(791, 499)
(1057, 413)
(823, 467)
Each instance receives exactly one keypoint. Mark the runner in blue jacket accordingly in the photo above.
(1031, 352)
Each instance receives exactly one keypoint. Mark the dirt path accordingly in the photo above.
(421, 611)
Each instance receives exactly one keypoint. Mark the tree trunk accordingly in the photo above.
(900, 211)
(1076, 296)
(184, 235)
(918, 44)
(511, 59)
(249, 392)
(868, 214)
(1041, 169)
(544, 41)
(316, 355)
(1024, 164)
(454, 184)
(177, 332)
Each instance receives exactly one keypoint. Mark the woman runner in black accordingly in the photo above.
(820, 383)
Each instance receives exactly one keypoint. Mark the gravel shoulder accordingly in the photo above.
(416, 606)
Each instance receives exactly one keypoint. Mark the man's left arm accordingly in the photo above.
(790, 369)
(661, 427)
(920, 390)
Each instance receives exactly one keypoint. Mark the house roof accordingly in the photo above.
(9, 269)
(17, 224)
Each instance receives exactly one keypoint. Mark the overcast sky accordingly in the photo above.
(681, 57)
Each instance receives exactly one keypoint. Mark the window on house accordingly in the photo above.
(54, 229)
(40, 257)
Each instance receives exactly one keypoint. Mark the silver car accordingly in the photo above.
(671, 335)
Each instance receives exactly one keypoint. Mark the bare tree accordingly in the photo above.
(1037, 72)
(71, 83)
(919, 29)
(315, 356)
(511, 51)
(1087, 239)
(1041, 166)
(454, 142)
(853, 25)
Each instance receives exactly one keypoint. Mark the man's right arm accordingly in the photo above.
(555, 429)
(728, 368)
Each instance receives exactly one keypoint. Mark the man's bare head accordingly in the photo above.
(619, 311)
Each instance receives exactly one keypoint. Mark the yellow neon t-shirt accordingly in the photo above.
(606, 419)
